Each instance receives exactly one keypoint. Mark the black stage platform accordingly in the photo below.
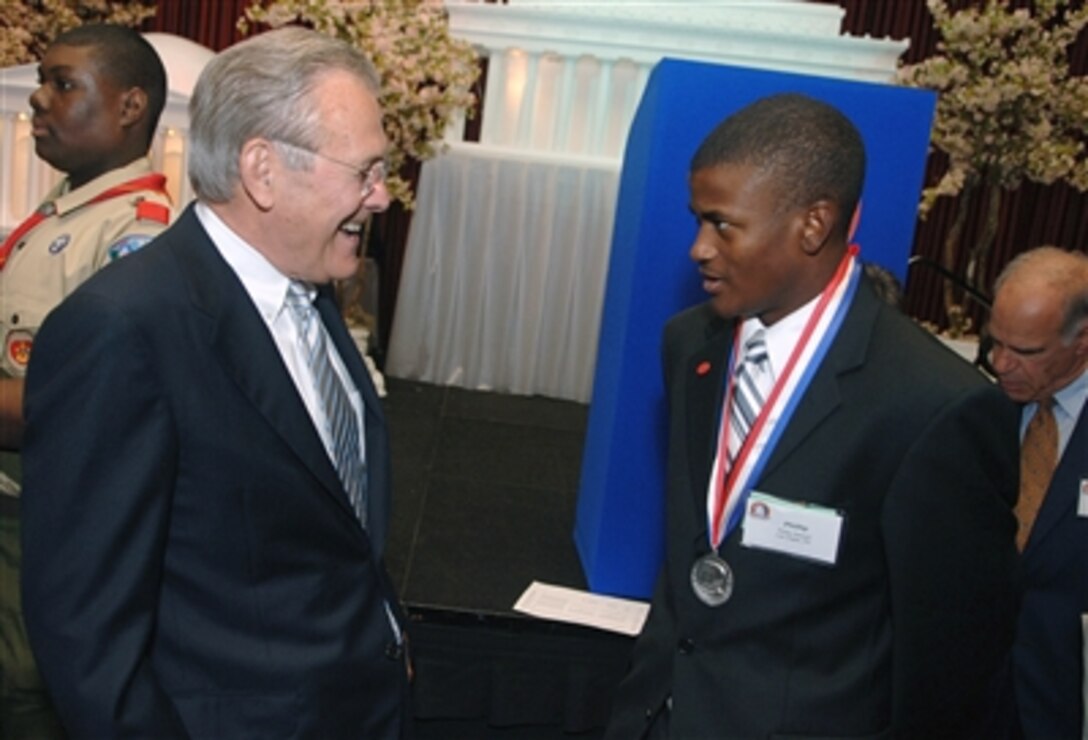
(484, 499)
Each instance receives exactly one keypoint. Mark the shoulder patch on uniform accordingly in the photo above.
(127, 245)
(59, 243)
(147, 210)
(18, 344)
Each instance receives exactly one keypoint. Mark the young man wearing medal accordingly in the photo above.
(102, 89)
(840, 546)
(1039, 327)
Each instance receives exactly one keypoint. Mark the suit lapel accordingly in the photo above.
(240, 340)
(705, 392)
(705, 389)
(846, 353)
(1064, 489)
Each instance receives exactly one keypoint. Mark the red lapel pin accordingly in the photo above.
(702, 368)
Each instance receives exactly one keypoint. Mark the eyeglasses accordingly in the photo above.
(369, 176)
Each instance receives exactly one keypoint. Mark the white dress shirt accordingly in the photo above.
(267, 288)
(1068, 405)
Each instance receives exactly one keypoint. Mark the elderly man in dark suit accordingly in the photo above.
(207, 475)
(1039, 327)
(840, 548)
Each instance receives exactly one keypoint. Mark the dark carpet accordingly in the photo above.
(485, 487)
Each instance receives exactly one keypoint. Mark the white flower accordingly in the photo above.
(1008, 108)
(27, 27)
(427, 75)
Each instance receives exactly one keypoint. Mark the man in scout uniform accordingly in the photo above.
(840, 545)
(102, 90)
(1039, 327)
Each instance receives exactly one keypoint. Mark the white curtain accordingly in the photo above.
(496, 291)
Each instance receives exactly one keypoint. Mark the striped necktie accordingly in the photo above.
(341, 424)
(752, 383)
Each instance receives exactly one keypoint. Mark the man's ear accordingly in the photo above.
(817, 223)
(1080, 339)
(256, 171)
(133, 106)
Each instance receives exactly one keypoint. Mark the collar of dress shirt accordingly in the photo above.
(1070, 400)
(65, 199)
(1069, 404)
(782, 336)
(266, 285)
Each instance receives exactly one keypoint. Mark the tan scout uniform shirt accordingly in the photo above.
(65, 249)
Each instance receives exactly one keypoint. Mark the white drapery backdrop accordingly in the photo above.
(497, 292)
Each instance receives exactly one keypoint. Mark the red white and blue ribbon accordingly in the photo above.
(730, 485)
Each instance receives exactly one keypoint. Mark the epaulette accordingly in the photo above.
(147, 210)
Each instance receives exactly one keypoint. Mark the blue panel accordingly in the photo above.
(619, 529)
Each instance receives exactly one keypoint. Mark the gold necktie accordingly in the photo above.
(1038, 458)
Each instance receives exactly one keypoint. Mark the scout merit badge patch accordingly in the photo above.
(18, 346)
(126, 245)
(57, 246)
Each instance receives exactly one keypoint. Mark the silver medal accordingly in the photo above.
(712, 580)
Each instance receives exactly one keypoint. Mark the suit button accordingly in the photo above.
(393, 651)
(686, 646)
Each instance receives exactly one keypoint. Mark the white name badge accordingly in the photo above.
(1082, 500)
(798, 529)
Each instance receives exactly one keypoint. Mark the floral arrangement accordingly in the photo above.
(27, 27)
(1008, 110)
(427, 75)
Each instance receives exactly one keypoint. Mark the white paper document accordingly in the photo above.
(8, 487)
(581, 607)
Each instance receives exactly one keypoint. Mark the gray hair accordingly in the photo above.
(262, 87)
(1065, 273)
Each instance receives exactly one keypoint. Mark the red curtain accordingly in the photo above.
(212, 23)
(1031, 216)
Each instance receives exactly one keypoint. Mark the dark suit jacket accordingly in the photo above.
(1049, 651)
(905, 635)
(191, 562)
